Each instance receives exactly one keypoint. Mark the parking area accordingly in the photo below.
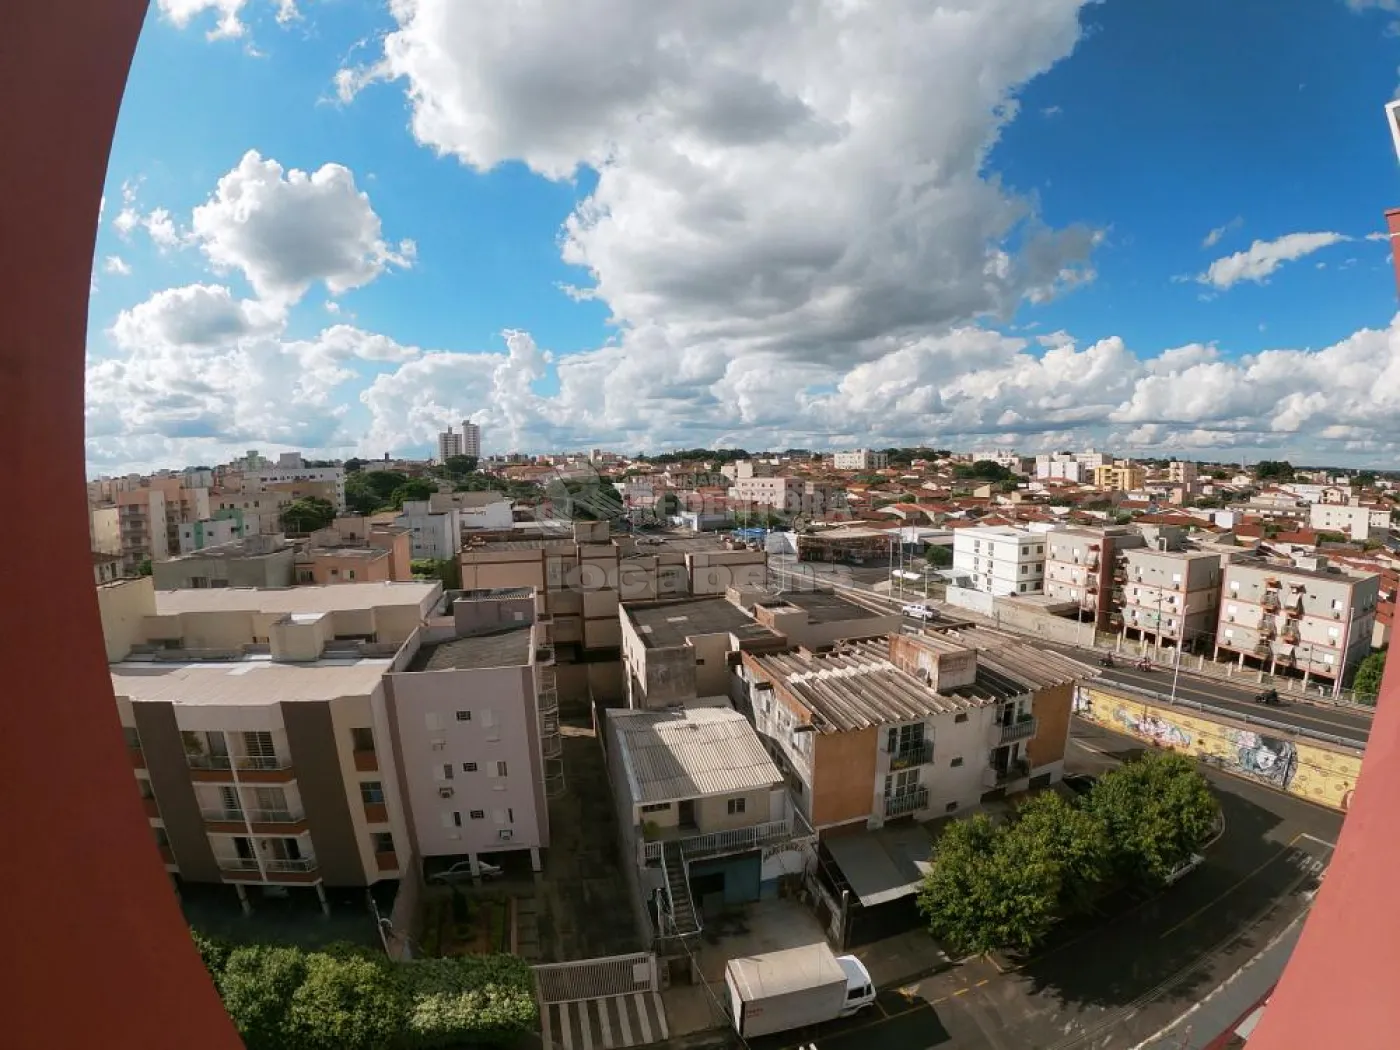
(1113, 982)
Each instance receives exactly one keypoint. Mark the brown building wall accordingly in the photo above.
(843, 775)
(1051, 708)
(170, 779)
(311, 740)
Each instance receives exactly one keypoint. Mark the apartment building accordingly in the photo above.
(471, 439)
(105, 567)
(813, 619)
(476, 510)
(1356, 520)
(355, 550)
(1182, 472)
(184, 505)
(207, 532)
(258, 561)
(861, 459)
(435, 534)
(1079, 566)
(476, 723)
(999, 559)
(1077, 467)
(911, 726)
(266, 477)
(1308, 618)
(780, 493)
(1166, 596)
(449, 445)
(704, 810)
(1122, 476)
(141, 527)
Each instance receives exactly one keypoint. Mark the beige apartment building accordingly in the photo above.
(134, 527)
(258, 561)
(875, 730)
(1182, 472)
(1170, 597)
(780, 493)
(1309, 617)
(356, 550)
(1079, 565)
(1121, 476)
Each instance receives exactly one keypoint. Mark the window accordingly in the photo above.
(488, 718)
(736, 806)
(468, 767)
(371, 792)
(133, 739)
(656, 807)
(383, 842)
(1025, 550)
(162, 839)
(1040, 549)
(1025, 569)
(456, 819)
(362, 738)
(500, 769)
(349, 574)
(145, 786)
(477, 814)
(1023, 587)
(961, 716)
(447, 771)
(464, 716)
(956, 762)
(258, 744)
(950, 807)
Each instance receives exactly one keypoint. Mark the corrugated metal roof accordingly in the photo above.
(691, 753)
(1035, 668)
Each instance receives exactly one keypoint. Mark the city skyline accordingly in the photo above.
(283, 264)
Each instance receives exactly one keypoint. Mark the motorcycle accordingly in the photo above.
(1144, 665)
(1268, 696)
(1106, 661)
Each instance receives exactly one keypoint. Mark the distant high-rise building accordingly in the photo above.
(471, 439)
(450, 444)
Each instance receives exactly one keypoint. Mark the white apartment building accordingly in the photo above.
(272, 475)
(861, 459)
(778, 493)
(208, 532)
(1070, 466)
(1308, 617)
(435, 534)
(1170, 596)
(471, 439)
(999, 559)
(1356, 520)
(449, 445)
(1181, 472)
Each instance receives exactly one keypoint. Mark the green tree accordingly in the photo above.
(353, 465)
(1367, 683)
(1075, 838)
(346, 1002)
(370, 490)
(214, 951)
(989, 888)
(459, 466)
(1273, 470)
(982, 470)
(414, 489)
(1365, 479)
(1157, 811)
(479, 1001)
(307, 514)
(939, 555)
(257, 986)
(448, 570)
(143, 567)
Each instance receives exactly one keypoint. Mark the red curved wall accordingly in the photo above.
(95, 952)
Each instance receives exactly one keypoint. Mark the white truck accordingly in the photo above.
(795, 988)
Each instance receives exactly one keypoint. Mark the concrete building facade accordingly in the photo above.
(1079, 567)
(1170, 597)
(861, 459)
(207, 532)
(1000, 560)
(435, 534)
(258, 561)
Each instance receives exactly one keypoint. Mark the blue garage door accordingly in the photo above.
(736, 878)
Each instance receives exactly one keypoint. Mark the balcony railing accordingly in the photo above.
(209, 761)
(906, 802)
(282, 865)
(262, 762)
(366, 761)
(1013, 771)
(1021, 729)
(913, 755)
(730, 840)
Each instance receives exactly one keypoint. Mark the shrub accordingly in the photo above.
(346, 1002)
(485, 1001)
(257, 985)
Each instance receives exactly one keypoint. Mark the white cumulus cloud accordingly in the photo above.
(1263, 258)
(115, 264)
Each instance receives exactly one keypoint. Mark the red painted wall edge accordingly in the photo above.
(96, 952)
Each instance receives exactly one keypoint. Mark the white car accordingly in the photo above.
(920, 612)
(1186, 867)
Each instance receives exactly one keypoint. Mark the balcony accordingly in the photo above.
(367, 761)
(731, 840)
(387, 861)
(914, 755)
(906, 802)
(151, 808)
(376, 813)
(167, 854)
(1021, 729)
(138, 757)
(210, 767)
(1269, 601)
(995, 777)
(246, 869)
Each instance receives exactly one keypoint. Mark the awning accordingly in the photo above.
(884, 865)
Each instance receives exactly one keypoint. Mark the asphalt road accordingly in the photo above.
(1347, 724)
(1113, 982)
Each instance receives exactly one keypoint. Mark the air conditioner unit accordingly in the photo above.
(445, 792)
(505, 834)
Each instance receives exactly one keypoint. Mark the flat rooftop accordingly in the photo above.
(690, 752)
(249, 682)
(505, 648)
(1333, 574)
(497, 546)
(493, 594)
(663, 625)
(336, 597)
(825, 606)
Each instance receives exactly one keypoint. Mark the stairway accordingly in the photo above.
(678, 887)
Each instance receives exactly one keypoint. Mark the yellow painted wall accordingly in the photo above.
(1312, 771)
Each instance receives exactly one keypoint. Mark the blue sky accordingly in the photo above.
(821, 235)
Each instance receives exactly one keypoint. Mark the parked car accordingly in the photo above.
(920, 612)
(462, 871)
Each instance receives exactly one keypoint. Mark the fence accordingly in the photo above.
(572, 982)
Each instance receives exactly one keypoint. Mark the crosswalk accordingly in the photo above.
(634, 1019)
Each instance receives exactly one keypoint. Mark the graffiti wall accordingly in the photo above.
(1311, 771)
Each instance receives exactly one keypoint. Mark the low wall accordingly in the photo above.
(1053, 628)
(973, 601)
(1312, 771)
